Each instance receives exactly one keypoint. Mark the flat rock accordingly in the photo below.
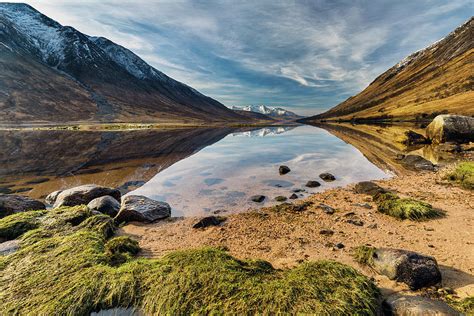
(416, 162)
(257, 198)
(355, 221)
(9, 247)
(448, 127)
(411, 268)
(326, 208)
(368, 187)
(284, 170)
(281, 198)
(105, 205)
(137, 208)
(209, 221)
(327, 177)
(400, 305)
(84, 194)
(11, 204)
(326, 232)
(313, 184)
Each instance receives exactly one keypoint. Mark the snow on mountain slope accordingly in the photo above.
(270, 111)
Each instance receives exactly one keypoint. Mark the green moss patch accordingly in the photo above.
(364, 255)
(401, 208)
(73, 271)
(17, 224)
(463, 175)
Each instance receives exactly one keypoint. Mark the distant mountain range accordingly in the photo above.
(54, 73)
(272, 112)
(437, 79)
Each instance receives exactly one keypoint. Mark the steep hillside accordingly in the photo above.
(54, 73)
(437, 79)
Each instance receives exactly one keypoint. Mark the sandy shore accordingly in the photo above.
(287, 238)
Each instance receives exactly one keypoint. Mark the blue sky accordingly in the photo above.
(304, 55)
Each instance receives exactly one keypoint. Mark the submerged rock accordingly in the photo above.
(257, 198)
(293, 196)
(281, 198)
(448, 127)
(284, 170)
(209, 221)
(416, 162)
(368, 187)
(413, 138)
(411, 268)
(327, 177)
(142, 209)
(401, 305)
(84, 194)
(9, 247)
(11, 204)
(313, 184)
(105, 205)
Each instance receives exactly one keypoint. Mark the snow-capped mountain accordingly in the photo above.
(267, 131)
(272, 112)
(56, 73)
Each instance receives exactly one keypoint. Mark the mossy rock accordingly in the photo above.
(68, 271)
(463, 175)
(405, 208)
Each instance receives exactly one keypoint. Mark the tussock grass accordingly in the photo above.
(15, 225)
(401, 208)
(364, 255)
(463, 175)
(465, 305)
(72, 269)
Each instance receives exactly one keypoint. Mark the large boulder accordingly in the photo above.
(84, 194)
(137, 208)
(401, 305)
(11, 204)
(105, 204)
(411, 268)
(368, 187)
(416, 162)
(448, 127)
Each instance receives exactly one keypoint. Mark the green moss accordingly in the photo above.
(466, 305)
(463, 175)
(390, 204)
(364, 255)
(17, 224)
(121, 249)
(69, 271)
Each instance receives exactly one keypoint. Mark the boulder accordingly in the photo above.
(51, 198)
(137, 208)
(368, 187)
(411, 268)
(9, 247)
(11, 204)
(416, 162)
(258, 198)
(402, 305)
(313, 184)
(327, 177)
(105, 205)
(84, 194)
(413, 138)
(209, 221)
(284, 170)
(448, 127)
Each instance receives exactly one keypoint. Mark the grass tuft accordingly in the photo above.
(17, 224)
(390, 204)
(465, 305)
(463, 175)
(121, 249)
(364, 255)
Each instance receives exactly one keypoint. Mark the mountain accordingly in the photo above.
(54, 73)
(437, 79)
(275, 113)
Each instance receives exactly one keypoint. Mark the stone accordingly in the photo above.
(327, 177)
(339, 245)
(51, 198)
(416, 162)
(326, 208)
(356, 222)
(326, 232)
(449, 127)
(9, 247)
(368, 187)
(258, 198)
(11, 204)
(313, 184)
(298, 190)
(293, 196)
(283, 170)
(105, 205)
(415, 270)
(84, 194)
(281, 198)
(404, 305)
(372, 226)
(413, 138)
(364, 205)
(209, 221)
(142, 209)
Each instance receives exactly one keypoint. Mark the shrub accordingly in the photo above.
(463, 175)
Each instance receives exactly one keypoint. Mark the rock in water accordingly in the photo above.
(448, 127)
(51, 198)
(209, 221)
(10, 204)
(105, 205)
(416, 162)
(368, 187)
(327, 177)
(400, 305)
(413, 138)
(142, 209)
(258, 198)
(293, 196)
(84, 194)
(313, 184)
(284, 170)
(281, 198)
(411, 268)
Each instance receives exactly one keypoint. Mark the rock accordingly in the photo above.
(400, 305)
(364, 205)
(105, 205)
(258, 198)
(448, 127)
(356, 222)
(416, 162)
(209, 221)
(411, 268)
(293, 196)
(119, 311)
(339, 245)
(11, 204)
(9, 247)
(326, 232)
(326, 208)
(298, 190)
(327, 177)
(372, 226)
(368, 187)
(51, 198)
(142, 209)
(281, 198)
(283, 170)
(413, 138)
(84, 194)
(313, 184)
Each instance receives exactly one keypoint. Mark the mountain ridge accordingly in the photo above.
(272, 112)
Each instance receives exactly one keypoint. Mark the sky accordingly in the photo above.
(306, 56)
